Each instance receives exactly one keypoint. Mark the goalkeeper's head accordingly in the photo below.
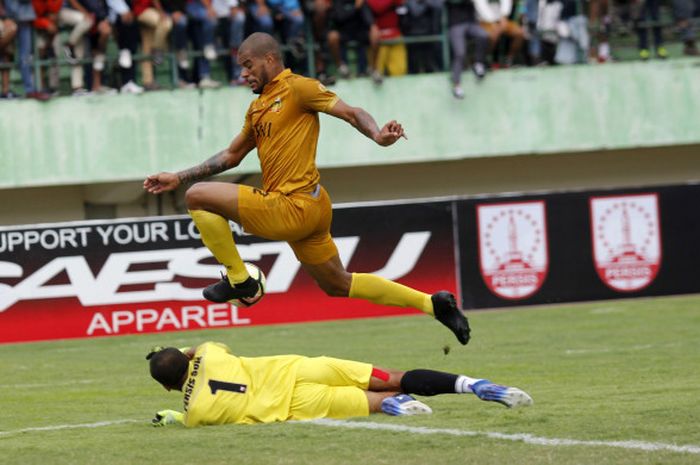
(169, 367)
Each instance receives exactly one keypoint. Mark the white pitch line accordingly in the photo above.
(74, 426)
(53, 384)
(619, 349)
(522, 437)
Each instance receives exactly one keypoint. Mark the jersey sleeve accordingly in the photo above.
(222, 346)
(213, 346)
(312, 95)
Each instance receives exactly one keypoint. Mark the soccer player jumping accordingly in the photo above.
(283, 124)
(221, 388)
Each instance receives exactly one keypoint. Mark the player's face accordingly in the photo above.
(254, 71)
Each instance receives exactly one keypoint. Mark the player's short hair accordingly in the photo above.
(168, 366)
(260, 44)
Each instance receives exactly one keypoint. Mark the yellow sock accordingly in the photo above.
(382, 291)
(216, 235)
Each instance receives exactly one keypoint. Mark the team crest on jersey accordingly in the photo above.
(276, 106)
(626, 240)
(513, 247)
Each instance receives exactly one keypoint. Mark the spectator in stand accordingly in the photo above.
(8, 31)
(350, 21)
(600, 19)
(284, 19)
(462, 23)
(648, 18)
(389, 58)
(51, 15)
(565, 45)
(74, 47)
(494, 16)
(531, 32)
(155, 26)
(229, 30)
(98, 36)
(22, 14)
(423, 18)
(319, 12)
(176, 9)
(126, 30)
(684, 11)
(202, 18)
(286, 12)
(574, 41)
(548, 20)
(46, 31)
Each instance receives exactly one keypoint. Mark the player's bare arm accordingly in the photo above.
(365, 123)
(222, 161)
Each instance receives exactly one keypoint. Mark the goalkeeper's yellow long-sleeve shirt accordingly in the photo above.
(223, 388)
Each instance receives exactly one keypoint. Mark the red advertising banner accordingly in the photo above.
(101, 278)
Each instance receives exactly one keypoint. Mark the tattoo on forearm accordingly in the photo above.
(366, 124)
(214, 165)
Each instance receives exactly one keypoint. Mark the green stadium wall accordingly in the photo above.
(97, 139)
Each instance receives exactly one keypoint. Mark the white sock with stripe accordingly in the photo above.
(463, 384)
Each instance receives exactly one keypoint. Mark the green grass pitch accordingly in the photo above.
(614, 382)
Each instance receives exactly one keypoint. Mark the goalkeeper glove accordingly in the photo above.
(168, 417)
(154, 350)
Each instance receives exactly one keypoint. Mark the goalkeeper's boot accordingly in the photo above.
(403, 404)
(447, 313)
(511, 397)
(223, 291)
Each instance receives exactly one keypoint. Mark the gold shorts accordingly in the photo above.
(330, 388)
(393, 58)
(511, 30)
(301, 219)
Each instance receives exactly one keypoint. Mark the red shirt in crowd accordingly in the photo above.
(141, 5)
(385, 17)
(46, 11)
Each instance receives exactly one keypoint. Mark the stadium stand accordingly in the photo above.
(562, 127)
(567, 31)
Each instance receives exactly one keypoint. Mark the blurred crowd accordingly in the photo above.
(105, 44)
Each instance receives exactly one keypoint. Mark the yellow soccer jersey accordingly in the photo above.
(222, 388)
(283, 122)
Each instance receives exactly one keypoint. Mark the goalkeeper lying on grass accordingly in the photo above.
(220, 387)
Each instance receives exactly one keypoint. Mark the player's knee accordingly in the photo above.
(195, 197)
(10, 28)
(333, 37)
(104, 29)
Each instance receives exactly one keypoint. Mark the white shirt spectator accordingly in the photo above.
(492, 11)
(116, 8)
(223, 7)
